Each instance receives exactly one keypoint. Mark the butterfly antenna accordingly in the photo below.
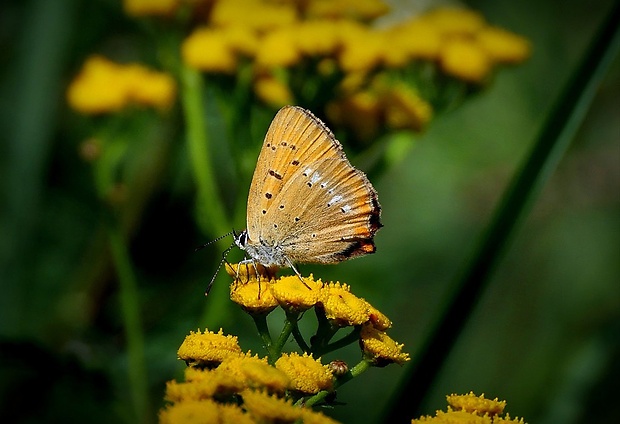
(217, 271)
(214, 241)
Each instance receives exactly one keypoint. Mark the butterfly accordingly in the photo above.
(307, 203)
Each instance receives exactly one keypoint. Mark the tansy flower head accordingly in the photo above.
(307, 374)
(478, 404)
(380, 348)
(503, 46)
(343, 308)
(405, 109)
(208, 349)
(256, 373)
(208, 50)
(257, 15)
(466, 60)
(253, 296)
(272, 91)
(104, 86)
(204, 384)
(278, 49)
(266, 408)
(292, 294)
(205, 411)
(473, 409)
(364, 10)
(454, 21)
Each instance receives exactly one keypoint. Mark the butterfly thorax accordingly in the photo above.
(262, 252)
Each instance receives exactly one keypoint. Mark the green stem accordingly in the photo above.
(263, 331)
(552, 142)
(130, 308)
(352, 337)
(357, 370)
(289, 325)
(211, 215)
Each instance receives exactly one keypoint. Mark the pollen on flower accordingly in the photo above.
(478, 404)
(380, 348)
(291, 293)
(266, 408)
(208, 349)
(307, 374)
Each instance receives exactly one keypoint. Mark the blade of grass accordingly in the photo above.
(553, 140)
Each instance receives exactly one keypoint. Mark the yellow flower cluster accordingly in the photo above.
(470, 408)
(104, 86)
(342, 308)
(260, 295)
(220, 372)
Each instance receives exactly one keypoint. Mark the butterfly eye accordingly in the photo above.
(242, 239)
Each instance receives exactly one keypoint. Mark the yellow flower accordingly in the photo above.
(150, 88)
(503, 46)
(98, 88)
(203, 384)
(404, 109)
(291, 293)
(354, 9)
(342, 307)
(471, 409)
(466, 60)
(255, 14)
(254, 295)
(196, 412)
(478, 404)
(362, 48)
(231, 413)
(241, 39)
(256, 373)
(309, 416)
(317, 37)
(413, 39)
(272, 91)
(454, 21)
(266, 408)
(307, 375)
(150, 7)
(104, 86)
(208, 348)
(278, 48)
(380, 348)
(208, 50)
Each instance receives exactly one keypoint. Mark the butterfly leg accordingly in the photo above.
(290, 263)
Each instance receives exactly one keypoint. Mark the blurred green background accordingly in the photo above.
(545, 336)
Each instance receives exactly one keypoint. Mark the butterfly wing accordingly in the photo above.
(306, 199)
